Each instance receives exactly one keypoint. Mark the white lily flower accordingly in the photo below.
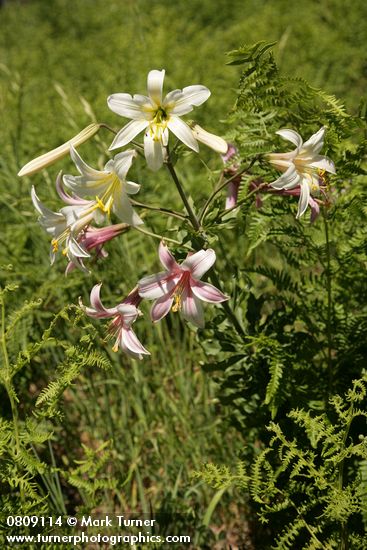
(157, 115)
(108, 186)
(303, 167)
(67, 226)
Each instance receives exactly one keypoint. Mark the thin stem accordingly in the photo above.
(166, 211)
(155, 235)
(227, 308)
(194, 221)
(8, 388)
(329, 302)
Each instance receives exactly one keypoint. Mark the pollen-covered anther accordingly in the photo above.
(55, 245)
(178, 303)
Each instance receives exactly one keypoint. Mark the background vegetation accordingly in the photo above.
(126, 435)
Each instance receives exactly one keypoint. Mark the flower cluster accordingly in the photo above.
(94, 196)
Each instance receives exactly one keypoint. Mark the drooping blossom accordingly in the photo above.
(179, 287)
(123, 316)
(303, 168)
(93, 239)
(68, 224)
(108, 186)
(156, 116)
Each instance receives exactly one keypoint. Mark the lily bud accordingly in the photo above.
(216, 143)
(49, 158)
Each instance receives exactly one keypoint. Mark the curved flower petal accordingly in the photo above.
(129, 312)
(153, 152)
(323, 163)
(122, 163)
(191, 96)
(288, 180)
(83, 168)
(123, 209)
(130, 343)
(157, 285)
(128, 132)
(207, 292)
(161, 307)
(166, 258)
(155, 85)
(291, 136)
(192, 310)
(97, 310)
(304, 198)
(132, 188)
(126, 106)
(199, 263)
(183, 132)
(315, 143)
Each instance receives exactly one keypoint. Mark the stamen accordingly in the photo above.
(178, 303)
(55, 245)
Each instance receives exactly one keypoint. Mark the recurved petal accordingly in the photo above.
(291, 135)
(191, 96)
(199, 263)
(207, 292)
(315, 143)
(128, 132)
(166, 258)
(323, 163)
(303, 198)
(83, 168)
(161, 307)
(49, 215)
(155, 85)
(157, 285)
(76, 249)
(132, 188)
(192, 310)
(288, 180)
(130, 343)
(125, 105)
(124, 210)
(153, 151)
(122, 163)
(97, 305)
(183, 132)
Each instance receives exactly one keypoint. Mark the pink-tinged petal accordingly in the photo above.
(323, 163)
(130, 343)
(232, 194)
(96, 303)
(199, 263)
(207, 292)
(161, 307)
(183, 132)
(126, 106)
(315, 209)
(157, 285)
(128, 132)
(288, 180)
(231, 152)
(192, 310)
(304, 198)
(291, 135)
(153, 151)
(166, 258)
(155, 85)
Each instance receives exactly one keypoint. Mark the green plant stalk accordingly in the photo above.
(329, 303)
(8, 388)
(194, 221)
(343, 543)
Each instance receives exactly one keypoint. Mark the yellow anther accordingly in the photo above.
(177, 305)
(55, 245)
(115, 348)
(65, 252)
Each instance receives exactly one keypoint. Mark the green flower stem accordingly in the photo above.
(166, 211)
(227, 308)
(329, 303)
(221, 186)
(8, 387)
(194, 221)
(155, 235)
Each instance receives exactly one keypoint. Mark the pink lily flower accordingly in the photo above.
(180, 288)
(95, 238)
(123, 316)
